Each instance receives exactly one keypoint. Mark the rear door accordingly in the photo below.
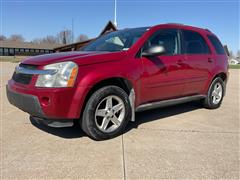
(199, 61)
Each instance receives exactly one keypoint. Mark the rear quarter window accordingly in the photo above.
(216, 44)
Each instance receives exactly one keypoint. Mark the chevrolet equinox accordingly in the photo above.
(101, 86)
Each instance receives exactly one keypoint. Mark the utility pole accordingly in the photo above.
(115, 12)
(72, 30)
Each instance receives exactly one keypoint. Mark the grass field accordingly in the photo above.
(234, 66)
(13, 59)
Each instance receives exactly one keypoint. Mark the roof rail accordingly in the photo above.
(175, 23)
(207, 30)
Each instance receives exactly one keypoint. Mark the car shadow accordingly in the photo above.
(65, 132)
(162, 113)
(141, 118)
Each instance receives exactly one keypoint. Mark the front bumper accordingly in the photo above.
(30, 104)
(25, 102)
(61, 103)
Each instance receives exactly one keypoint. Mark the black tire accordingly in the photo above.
(88, 124)
(208, 101)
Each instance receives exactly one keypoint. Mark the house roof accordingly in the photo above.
(27, 45)
(109, 27)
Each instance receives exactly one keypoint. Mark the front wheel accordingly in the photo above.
(215, 94)
(107, 113)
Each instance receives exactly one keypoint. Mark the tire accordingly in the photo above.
(102, 118)
(209, 102)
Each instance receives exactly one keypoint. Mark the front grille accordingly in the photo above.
(24, 78)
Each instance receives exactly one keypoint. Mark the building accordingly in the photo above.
(234, 61)
(12, 48)
(76, 46)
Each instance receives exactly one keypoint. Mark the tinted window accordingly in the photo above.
(217, 45)
(166, 38)
(194, 43)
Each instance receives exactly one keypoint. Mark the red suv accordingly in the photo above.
(101, 86)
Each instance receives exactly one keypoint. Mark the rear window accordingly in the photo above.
(194, 43)
(217, 45)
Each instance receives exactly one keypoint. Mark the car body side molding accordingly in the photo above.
(169, 102)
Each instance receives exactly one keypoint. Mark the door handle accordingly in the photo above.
(210, 60)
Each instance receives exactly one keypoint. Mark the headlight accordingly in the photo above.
(66, 73)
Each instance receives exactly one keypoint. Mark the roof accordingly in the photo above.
(179, 25)
(27, 45)
(73, 44)
(109, 27)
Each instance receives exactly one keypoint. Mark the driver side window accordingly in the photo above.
(168, 38)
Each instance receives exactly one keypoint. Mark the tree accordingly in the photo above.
(231, 55)
(65, 36)
(82, 37)
(16, 37)
(48, 39)
(2, 38)
(238, 54)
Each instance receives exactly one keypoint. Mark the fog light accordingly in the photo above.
(45, 101)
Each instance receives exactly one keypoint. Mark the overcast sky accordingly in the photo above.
(36, 19)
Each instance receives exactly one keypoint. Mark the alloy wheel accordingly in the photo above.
(217, 93)
(110, 114)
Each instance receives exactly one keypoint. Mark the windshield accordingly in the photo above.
(116, 41)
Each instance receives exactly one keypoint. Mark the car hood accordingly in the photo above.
(80, 57)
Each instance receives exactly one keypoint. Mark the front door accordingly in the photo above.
(163, 75)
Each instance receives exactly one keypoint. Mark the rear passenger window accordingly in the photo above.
(194, 43)
(217, 45)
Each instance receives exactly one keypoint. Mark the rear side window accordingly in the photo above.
(217, 45)
(194, 43)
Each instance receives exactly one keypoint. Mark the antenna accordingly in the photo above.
(115, 12)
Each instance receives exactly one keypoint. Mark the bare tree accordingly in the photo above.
(48, 39)
(2, 38)
(231, 55)
(65, 37)
(238, 54)
(82, 37)
(17, 37)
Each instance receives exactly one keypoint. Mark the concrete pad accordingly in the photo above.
(41, 152)
(166, 154)
(180, 142)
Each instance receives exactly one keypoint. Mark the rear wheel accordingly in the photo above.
(107, 113)
(215, 94)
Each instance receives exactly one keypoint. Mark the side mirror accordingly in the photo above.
(155, 50)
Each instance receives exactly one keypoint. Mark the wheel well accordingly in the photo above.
(222, 75)
(125, 84)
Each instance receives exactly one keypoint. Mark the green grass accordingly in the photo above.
(234, 66)
(13, 59)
